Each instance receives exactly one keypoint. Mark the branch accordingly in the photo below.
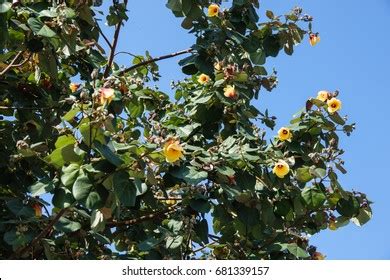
(204, 247)
(113, 46)
(154, 60)
(45, 231)
(142, 218)
(27, 108)
(103, 35)
(12, 64)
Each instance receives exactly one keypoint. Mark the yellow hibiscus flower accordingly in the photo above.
(74, 87)
(173, 151)
(318, 256)
(203, 79)
(37, 210)
(213, 10)
(285, 134)
(323, 95)
(334, 105)
(332, 225)
(230, 92)
(106, 95)
(314, 39)
(281, 169)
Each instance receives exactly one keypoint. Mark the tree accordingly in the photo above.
(96, 164)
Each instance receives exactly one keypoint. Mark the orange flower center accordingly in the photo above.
(334, 105)
(215, 10)
(285, 131)
(280, 166)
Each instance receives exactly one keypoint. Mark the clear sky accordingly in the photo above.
(353, 57)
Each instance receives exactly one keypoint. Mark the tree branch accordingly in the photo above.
(146, 62)
(103, 35)
(113, 46)
(12, 64)
(44, 232)
(142, 218)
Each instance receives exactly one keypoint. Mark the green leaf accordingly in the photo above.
(348, 207)
(174, 242)
(190, 174)
(97, 221)
(62, 198)
(226, 170)
(5, 6)
(303, 174)
(313, 197)
(200, 205)
(35, 24)
(337, 119)
(149, 244)
(297, 251)
(90, 132)
(202, 231)
(18, 208)
(140, 186)
(94, 200)
(16, 239)
(45, 185)
(363, 217)
(106, 153)
(82, 187)
(318, 172)
(124, 188)
(69, 174)
(270, 14)
(66, 225)
(185, 131)
(271, 45)
(258, 57)
(174, 5)
(46, 31)
(175, 225)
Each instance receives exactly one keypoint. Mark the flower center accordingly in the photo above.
(280, 166)
(285, 132)
(215, 10)
(334, 105)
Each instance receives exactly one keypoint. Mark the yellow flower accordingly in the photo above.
(217, 66)
(332, 225)
(213, 10)
(203, 79)
(173, 151)
(281, 169)
(74, 87)
(106, 95)
(37, 210)
(334, 105)
(170, 201)
(285, 134)
(323, 95)
(314, 39)
(318, 256)
(230, 92)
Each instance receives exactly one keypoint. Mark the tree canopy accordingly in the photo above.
(96, 163)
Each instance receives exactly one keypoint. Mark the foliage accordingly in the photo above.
(122, 171)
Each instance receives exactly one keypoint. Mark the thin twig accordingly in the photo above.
(113, 46)
(43, 233)
(204, 247)
(142, 218)
(12, 64)
(27, 108)
(103, 35)
(129, 53)
(146, 62)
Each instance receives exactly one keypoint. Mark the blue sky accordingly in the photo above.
(351, 57)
